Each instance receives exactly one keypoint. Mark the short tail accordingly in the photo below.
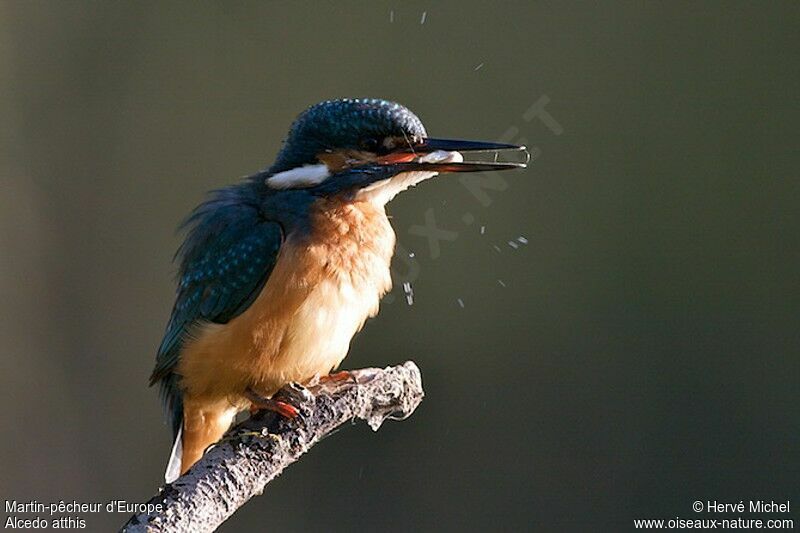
(174, 465)
(204, 423)
(173, 405)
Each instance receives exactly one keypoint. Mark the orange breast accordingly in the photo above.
(324, 286)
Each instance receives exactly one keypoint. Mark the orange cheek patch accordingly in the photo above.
(335, 161)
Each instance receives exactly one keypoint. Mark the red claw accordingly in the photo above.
(337, 377)
(286, 410)
(258, 403)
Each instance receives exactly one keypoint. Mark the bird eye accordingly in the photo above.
(370, 144)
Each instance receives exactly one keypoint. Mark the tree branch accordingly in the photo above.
(254, 452)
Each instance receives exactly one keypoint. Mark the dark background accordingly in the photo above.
(643, 355)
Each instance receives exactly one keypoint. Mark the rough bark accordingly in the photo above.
(256, 451)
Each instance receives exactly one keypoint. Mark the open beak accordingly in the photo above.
(446, 155)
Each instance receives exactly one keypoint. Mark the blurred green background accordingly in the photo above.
(643, 354)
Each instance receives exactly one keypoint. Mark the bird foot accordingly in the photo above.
(332, 381)
(341, 376)
(259, 403)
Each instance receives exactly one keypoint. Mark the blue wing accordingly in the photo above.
(227, 257)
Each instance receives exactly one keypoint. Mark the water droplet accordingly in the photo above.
(409, 292)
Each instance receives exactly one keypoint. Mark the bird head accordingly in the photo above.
(369, 148)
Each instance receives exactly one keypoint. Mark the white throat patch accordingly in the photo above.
(300, 177)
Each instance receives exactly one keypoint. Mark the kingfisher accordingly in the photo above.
(278, 272)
